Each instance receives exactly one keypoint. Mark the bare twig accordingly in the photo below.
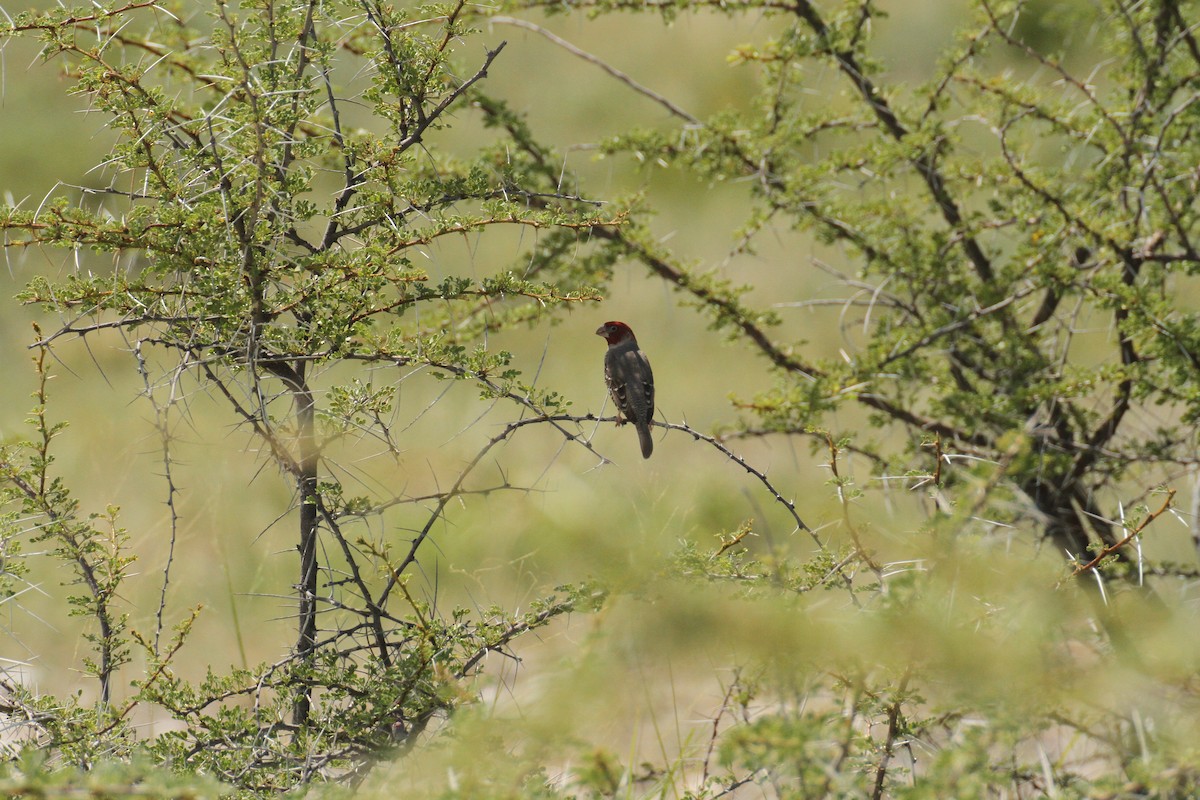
(716, 726)
(599, 62)
(844, 501)
(162, 423)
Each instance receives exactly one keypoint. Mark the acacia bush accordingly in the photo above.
(987, 600)
(239, 279)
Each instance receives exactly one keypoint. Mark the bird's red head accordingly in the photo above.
(615, 332)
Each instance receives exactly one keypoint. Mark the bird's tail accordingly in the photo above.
(646, 440)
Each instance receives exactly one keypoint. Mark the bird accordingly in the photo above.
(630, 380)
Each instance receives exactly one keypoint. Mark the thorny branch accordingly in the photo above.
(1129, 537)
(162, 422)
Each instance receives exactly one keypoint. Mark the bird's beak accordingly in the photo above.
(600, 331)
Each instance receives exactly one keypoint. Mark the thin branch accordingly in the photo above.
(162, 423)
(713, 441)
(893, 733)
(601, 63)
(1133, 534)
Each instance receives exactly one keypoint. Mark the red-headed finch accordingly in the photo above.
(630, 381)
